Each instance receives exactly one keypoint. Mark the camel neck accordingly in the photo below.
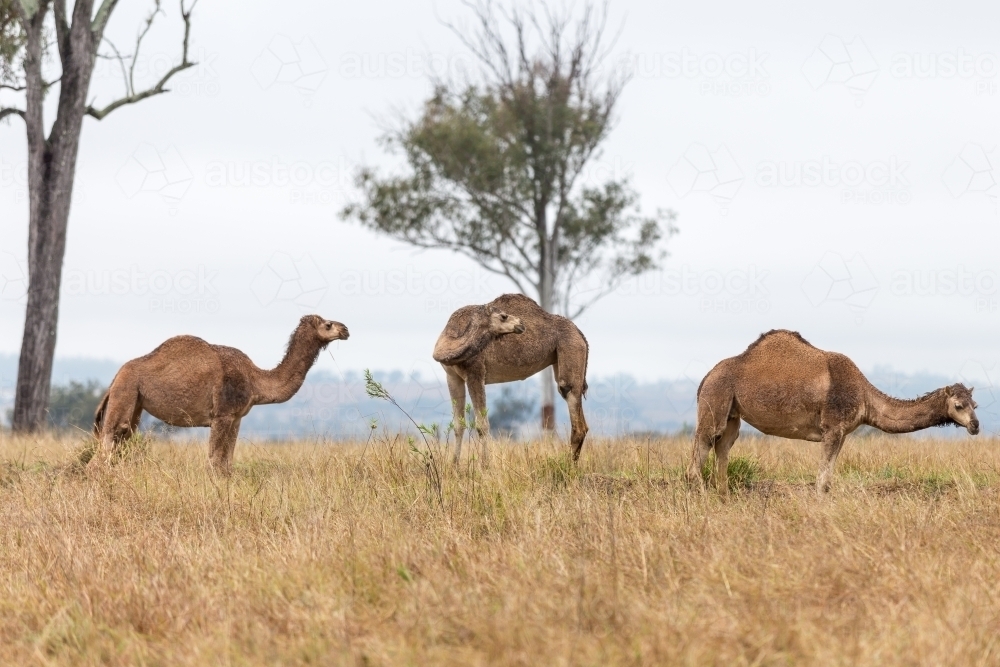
(894, 415)
(281, 382)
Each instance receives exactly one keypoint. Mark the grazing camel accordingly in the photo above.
(783, 386)
(188, 382)
(475, 351)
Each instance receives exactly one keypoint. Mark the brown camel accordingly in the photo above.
(783, 386)
(188, 382)
(475, 351)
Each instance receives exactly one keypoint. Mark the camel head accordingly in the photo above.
(469, 331)
(326, 331)
(961, 407)
(502, 323)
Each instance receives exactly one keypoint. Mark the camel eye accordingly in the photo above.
(503, 318)
(960, 406)
(329, 325)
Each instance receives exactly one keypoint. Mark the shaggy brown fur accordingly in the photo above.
(188, 382)
(783, 386)
(474, 351)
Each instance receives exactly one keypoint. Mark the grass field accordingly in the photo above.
(376, 554)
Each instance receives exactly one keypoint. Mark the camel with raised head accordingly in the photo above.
(476, 349)
(188, 382)
(783, 386)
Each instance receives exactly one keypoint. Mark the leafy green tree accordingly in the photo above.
(497, 168)
(73, 406)
(11, 41)
(509, 411)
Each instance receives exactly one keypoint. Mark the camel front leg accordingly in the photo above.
(577, 421)
(477, 394)
(222, 442)
(722, 447)
(118, 424)
(832, 442)
(456, 389)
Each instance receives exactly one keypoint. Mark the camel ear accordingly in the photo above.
(456, 341)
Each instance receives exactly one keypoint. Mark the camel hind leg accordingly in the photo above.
(572, 387)
(722, 447)
(713, 423)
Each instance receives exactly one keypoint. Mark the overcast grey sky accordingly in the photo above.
(833, 169)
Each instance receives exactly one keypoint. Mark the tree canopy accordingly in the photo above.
(497, 168)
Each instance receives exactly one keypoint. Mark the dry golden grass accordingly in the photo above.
(330, 554)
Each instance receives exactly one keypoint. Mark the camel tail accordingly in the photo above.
(99, 415)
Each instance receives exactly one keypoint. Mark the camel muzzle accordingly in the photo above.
(519, 329)
(974, 427)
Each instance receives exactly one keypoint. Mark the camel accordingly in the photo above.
(188, 382)
(475, 350)
(783, 386)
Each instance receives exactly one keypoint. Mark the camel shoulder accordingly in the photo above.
(843, 369)
(232, 358)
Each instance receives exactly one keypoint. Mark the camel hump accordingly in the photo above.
(515, 303)
(782, 337)
(181, 343)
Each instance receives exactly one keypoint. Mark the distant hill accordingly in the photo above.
(335, 407)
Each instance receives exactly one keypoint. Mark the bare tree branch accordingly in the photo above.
(121, 63)
(138, 43)
(62, 27)
(132, 97)
(10, 111)
(100, 21)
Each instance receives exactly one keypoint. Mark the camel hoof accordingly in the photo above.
(220, 469)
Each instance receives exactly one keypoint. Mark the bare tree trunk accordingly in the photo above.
(51, 172)
(546, 298)
(52, 167)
